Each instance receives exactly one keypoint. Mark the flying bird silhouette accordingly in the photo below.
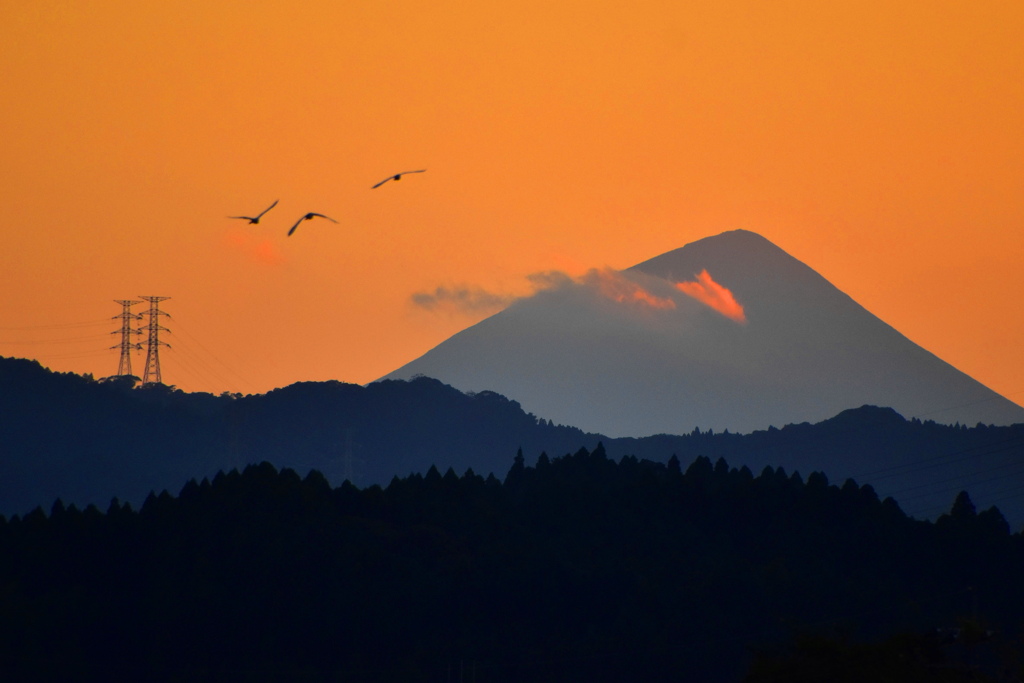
(307, 217)
(256, 218)
(397, 176)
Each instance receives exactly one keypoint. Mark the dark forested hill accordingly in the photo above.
(578, 569)
(86, 441)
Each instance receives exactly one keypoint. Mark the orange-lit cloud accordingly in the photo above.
(260, 250)
(613, 285)
(710, 293)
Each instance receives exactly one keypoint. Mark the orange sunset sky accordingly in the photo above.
(880, 142)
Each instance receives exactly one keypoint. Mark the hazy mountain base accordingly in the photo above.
(70, 437)
(579, 568)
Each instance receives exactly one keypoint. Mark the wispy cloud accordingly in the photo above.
(474, 300)
(549, 279)
(462, 299)
(607, 283)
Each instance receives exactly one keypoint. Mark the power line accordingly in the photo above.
(192, 338)
(188, 360)
(962, 482)
(941, 460)
(65, 340)
(104, 352)
(54, 326)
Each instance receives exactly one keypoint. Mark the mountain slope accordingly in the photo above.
(631, 354)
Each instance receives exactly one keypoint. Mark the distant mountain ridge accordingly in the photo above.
(70, 437)
(805, 352)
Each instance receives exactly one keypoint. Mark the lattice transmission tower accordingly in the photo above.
(124, 366)
(153, 344)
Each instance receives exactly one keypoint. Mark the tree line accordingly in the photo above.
(579, 567)
(85, 441)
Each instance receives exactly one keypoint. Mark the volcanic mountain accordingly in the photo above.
(728, 332)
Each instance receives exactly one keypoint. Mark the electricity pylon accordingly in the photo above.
(124, 366)
(153, 344)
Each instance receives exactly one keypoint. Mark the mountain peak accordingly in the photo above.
(731, 239)
(751, 266)
(732, 243)
(728, 332)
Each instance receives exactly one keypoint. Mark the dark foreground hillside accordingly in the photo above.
(579, 568)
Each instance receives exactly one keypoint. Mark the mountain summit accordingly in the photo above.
(728, 332)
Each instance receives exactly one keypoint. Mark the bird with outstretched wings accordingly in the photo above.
(309, 216)
(397, 176)
(257, 217)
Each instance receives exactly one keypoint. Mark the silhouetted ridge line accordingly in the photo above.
(74, 438)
